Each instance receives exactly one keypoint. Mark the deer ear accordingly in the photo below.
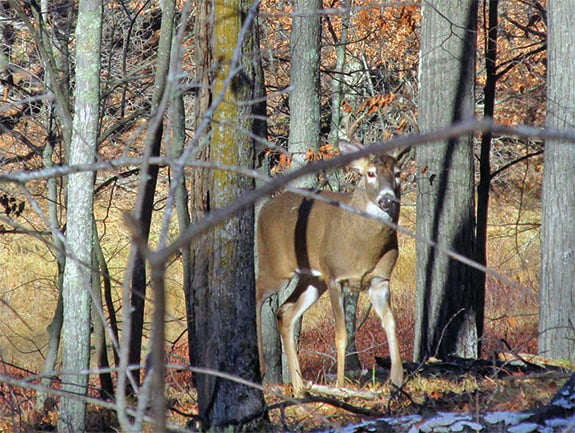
(348, 147)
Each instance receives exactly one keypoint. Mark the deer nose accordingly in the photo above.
(388, 203)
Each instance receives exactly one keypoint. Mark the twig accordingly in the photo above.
(327, 400)
(325, 390)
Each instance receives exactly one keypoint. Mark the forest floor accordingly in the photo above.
(514, 394)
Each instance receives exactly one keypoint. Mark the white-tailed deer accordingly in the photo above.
(332, 248)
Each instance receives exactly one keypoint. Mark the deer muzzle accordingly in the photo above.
(388, 203)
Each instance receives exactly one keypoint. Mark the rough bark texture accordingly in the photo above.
(79, 230)
(229, 344)
(557, 295)
(304, 99)
(197, 290)
(446, 312)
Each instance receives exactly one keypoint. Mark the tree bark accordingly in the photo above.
(200, 251)
(304, 101)
(230, 343)
(557, 295)
(99, 324)
(79, 231)
(447, 310)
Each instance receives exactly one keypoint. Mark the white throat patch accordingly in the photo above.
(377, 212)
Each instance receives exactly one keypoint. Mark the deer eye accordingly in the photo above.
(371, 174)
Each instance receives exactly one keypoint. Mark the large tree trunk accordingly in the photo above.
(229, 345)
(79, 229)
(557, 296)
(196, 291)
(447, 305)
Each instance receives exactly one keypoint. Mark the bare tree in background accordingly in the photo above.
(149, 180)
(449, 308)
(557, 292)
(79, 229)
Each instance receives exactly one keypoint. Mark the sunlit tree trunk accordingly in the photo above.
(557, 295)
(79, 229)
(229, 345)
(304, 98)
(447, 300)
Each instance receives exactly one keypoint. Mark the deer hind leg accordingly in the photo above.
(379, 296)
(306, 293)
(336, 298)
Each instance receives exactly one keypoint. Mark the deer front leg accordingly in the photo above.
(336, 298)
(303, 297)
(379, 296)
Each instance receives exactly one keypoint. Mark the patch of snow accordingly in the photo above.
(369, 426)
(557, 422)
(404, 421)
(365, 426)
(506, 417)
(526, 427)
(562, 402)
(545, 429)
(447, 422)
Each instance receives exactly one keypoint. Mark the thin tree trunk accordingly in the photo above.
(350, 301)
(99, 326)
(79, 229)
(148, 188)
(338, 81)
(139, 276)
(55, 327)
(53, 186)
(352, 361)
(485, 157)
(100, 260)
